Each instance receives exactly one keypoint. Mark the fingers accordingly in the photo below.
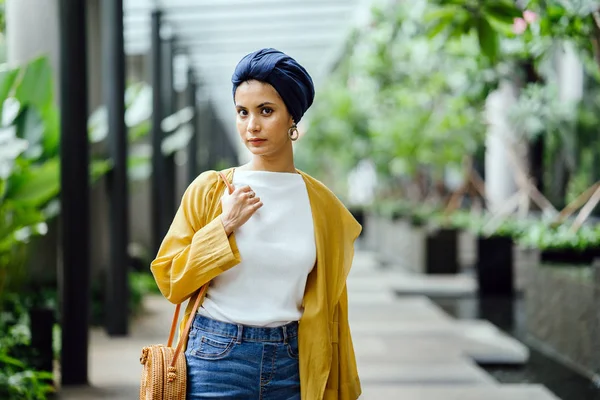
(254, 200)
(248, 195)
(246, 192)
(245, 189)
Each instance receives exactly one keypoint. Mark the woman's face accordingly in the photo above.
(263, 120)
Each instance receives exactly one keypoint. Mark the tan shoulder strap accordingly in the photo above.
(229, 186)
(188, 325)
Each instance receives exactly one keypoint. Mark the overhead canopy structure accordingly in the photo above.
(212, 35)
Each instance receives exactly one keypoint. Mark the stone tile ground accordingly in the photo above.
(407, 348)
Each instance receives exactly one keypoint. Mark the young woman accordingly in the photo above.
(275, 252)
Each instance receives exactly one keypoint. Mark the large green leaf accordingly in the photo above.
(5, 359)
(439, 26)
(7, 81)
(36, 85)
(502, 10)
(500, 25)
(31, 128)
(10, 148)
(489, 41)
(51, 139)
(442, 18)
(38, 185)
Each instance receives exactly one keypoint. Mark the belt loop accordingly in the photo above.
(285, 336)
(240, 333)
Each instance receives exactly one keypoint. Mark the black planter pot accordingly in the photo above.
(441, 252)
(495, 266)
(42, 323)
(570, 256)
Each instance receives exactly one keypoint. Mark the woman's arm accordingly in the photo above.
(193, 251)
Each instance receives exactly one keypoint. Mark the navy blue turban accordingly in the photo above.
(290, 79)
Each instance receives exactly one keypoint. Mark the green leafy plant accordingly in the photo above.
(488, 19)
(523, 44)
(29, 162)
(409, 102)
(18, 380)
(544, 237)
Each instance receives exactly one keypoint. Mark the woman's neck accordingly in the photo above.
(261, 164)
(258, 164)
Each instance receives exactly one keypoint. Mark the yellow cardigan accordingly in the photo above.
(196, 249)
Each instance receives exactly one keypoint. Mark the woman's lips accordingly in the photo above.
(256, 141)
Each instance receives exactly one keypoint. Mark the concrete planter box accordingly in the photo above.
(563, 313)
(524, 258)
(467, 250)
(413, 247)
(373, 235)
(397, 242)
(403, 244)
(422, 249)
(416, 247)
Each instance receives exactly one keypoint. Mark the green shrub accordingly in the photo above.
(18, 380)
(544, 237)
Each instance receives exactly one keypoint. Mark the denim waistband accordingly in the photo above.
(246, 333)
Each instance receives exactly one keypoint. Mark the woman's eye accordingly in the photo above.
(267, 111)
(242, 113)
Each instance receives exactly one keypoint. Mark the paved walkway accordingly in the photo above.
(407, 347)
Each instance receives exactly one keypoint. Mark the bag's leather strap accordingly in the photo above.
(229, 186)
(201, 294)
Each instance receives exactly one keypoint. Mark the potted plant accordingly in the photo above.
(441, 245)
(561, 245)
(495, 265)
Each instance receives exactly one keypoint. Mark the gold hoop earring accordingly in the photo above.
(293, 133)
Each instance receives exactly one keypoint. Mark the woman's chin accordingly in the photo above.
(257, 151)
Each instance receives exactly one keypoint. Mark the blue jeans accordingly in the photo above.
(228, 361)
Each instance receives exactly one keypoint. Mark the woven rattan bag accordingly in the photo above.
(164, 372)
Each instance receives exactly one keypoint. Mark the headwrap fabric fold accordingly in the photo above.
(286, 75)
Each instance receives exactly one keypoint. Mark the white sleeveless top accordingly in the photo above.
(278, 251)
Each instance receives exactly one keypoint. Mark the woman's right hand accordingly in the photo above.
(238, 207)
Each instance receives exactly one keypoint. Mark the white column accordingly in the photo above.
(32, 31)
(569, 73)
(499, 171)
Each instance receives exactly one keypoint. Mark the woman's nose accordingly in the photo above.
(253, 125)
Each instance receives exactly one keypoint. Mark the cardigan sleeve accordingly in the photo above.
(194, 251)
(343, 382)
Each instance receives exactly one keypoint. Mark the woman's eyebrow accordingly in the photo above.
(266, 103)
